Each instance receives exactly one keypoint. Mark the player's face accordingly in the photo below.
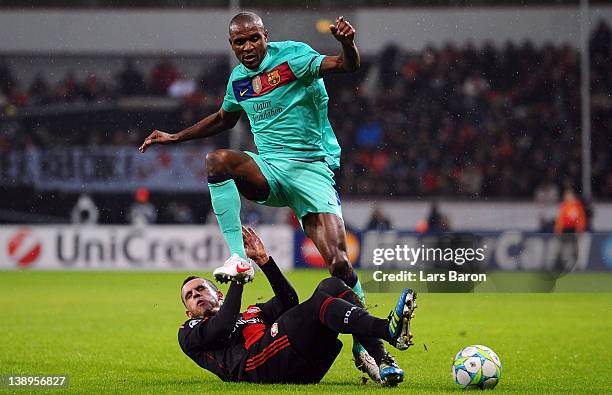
(200, 298)
(249, 42)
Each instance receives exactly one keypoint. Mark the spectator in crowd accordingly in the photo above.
(6, 78)
(369, 133)
(92, 90)
(600, 42)
(182, 87)
(179, 213)
(436, 221)
(39, 91)
(164, 73)
(212, 80)
(142, 212)
(130, 80)
(572, 216)
(68, 88)
(85, 211)
(547, 191)
(570, 222)
(378, 220)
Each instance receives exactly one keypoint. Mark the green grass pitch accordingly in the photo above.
(116, 332)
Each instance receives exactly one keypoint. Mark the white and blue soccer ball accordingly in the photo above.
(477, 367)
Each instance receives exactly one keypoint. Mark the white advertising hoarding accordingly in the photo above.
(128, 248)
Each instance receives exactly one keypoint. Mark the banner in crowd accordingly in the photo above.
(106, 169)
(199, 248)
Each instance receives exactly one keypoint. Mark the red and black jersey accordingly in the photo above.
(225, 356)
(224, 342)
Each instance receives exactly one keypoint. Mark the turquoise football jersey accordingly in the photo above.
(286, 102)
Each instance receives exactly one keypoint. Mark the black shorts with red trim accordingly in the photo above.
(275, 359)
(299, 347)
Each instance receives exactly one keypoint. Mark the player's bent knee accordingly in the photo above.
(331, 286)
(216, 162)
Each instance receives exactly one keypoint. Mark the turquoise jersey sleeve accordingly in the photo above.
(306, 63)
(230, 104)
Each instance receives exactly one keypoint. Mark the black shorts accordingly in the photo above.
(298, 347)
(275, 359)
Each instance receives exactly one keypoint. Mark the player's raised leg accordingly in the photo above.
(337, 315)
(332, 305)
(327, 232)
(229, 174)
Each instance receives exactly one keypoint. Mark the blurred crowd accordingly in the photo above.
(164, 79)
(475, 121)
(198, 96)
(471, 121)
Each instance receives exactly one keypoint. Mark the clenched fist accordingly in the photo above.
(343, 31)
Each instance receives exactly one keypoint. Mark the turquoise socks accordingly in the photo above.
(226, 205)
(359, 291)
(357, 347)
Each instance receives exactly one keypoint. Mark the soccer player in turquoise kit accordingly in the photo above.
(279, 86)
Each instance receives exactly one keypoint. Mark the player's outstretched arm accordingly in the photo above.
(209, 126)
(285, 296)
(348, 60)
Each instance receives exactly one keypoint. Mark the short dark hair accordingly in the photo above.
(207, 281)
(185, 281)
(245, 17)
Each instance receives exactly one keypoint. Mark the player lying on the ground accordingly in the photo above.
(281, 341)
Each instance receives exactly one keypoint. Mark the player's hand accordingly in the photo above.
(254, 247)
(343, 31)
(157, 137)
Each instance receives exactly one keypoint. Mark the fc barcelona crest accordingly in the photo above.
(256, 84)
(274, 77)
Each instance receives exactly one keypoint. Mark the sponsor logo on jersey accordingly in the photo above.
(262, 106)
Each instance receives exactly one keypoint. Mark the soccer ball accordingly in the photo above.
(477, 367)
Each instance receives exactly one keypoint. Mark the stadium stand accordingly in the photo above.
(498, 122)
